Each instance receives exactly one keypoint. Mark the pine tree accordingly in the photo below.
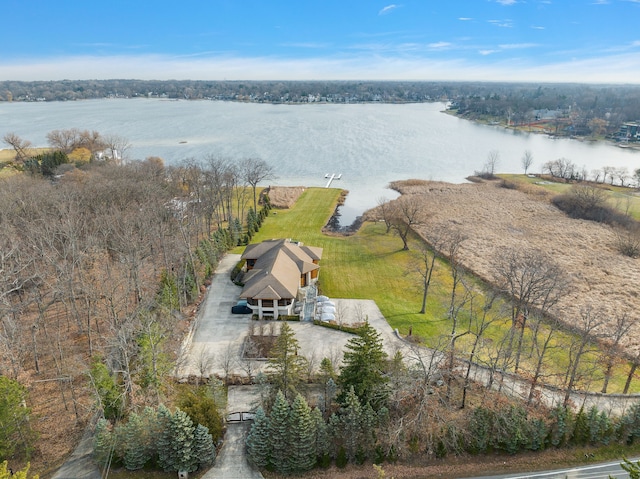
(279, 434)
(321, 437)
(150, 432)
(286, 367)
(135, 456)
(204, 448)
(102, 442)
(351, 419)
(165, 458)
(182, 453)
(369, 423)
(363, 369)
(303, 435)
(258, 441)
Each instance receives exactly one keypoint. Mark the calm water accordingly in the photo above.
(369, 144)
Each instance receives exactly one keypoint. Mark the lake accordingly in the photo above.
(369, 144)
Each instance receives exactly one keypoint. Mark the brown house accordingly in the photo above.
(275, 271)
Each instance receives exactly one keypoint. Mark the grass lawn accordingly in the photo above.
(372, 265)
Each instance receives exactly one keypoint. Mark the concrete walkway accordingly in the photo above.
(80, 464)
(231, 462)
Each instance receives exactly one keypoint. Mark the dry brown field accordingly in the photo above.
(495, 219)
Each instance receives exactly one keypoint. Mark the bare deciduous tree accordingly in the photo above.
(624, 321)
(408, 211)
(532, 280)
(587, 325)
(255, 170)
(527, 160)
(386, 211)
(20, 146)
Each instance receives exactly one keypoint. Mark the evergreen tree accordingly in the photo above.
(205, 450)
(369, 423)
(109, 395)
(321, 437)
(363, 368)
(102, 443)
(279, 434)
(151, 431)
(286, 367)
(580, 435)
(258, 441)
(164, 441)
(182, 456)
(302, 436)
(135, 456)
(351, 424)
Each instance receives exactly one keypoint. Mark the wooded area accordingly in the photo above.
(101, 266)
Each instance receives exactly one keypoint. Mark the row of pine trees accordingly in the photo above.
(156, 437)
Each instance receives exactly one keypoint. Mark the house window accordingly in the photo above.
(267, 303)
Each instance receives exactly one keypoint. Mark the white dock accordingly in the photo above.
(332, 177)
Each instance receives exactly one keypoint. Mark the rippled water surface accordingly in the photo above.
(369, 144)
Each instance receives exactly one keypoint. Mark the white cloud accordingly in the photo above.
(517, 46)
(388, 9)
(440, 45)
(501, 23)
(506, 2)
(465, 19)
(311, 45)
(537, 27)
(617, 68)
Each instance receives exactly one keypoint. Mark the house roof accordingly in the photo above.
(277, 269)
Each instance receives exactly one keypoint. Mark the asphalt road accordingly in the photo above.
(591, 471)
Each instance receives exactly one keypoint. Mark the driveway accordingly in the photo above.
(215, 345)
(231, 462)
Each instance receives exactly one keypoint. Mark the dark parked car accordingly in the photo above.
(241, 308)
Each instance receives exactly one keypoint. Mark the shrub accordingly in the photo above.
(589, 203)
(627, 242)
(201, 407)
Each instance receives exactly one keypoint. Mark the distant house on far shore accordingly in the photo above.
(275, 272)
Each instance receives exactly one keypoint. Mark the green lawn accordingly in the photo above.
(372, 265)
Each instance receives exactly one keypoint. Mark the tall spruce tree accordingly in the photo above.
(102, 443)
(135, 456)
(364, 368)
(164, 417)
(322, 436)
(286, 367)
(280, 434)
(204, 448)
(258, 441)
(302, 436)
(183, 456)
(351, 424)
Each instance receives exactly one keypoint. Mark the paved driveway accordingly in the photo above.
(215, 345)
(231, 462)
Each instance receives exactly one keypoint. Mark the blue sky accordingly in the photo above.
(595, 41)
